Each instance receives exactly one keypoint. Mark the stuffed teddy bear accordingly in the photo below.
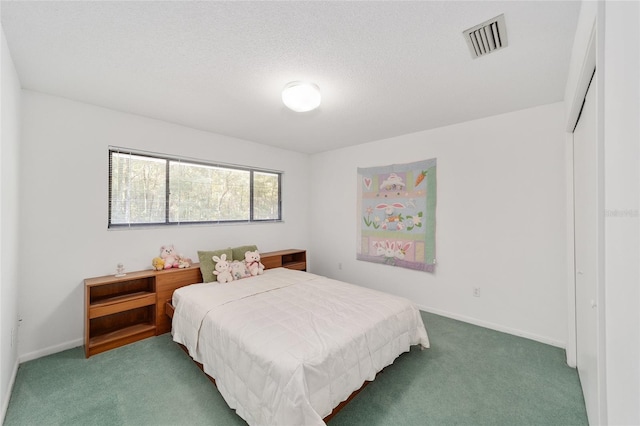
(157, 263)
(222, 271)
(167, 253)
(252, 259)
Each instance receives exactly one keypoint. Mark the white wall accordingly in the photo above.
(63, 201)
(501, 221)
(10, 139)
(621, 105)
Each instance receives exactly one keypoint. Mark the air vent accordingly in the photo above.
(487, 37)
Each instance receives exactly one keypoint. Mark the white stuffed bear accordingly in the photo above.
(222, 271)
(252, 259)
(167, 253)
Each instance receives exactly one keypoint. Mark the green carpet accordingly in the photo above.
(470, 376)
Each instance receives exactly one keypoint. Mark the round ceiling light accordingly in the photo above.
(300, 96)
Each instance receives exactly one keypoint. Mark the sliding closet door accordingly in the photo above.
(586, 253)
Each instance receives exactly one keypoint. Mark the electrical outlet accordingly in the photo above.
(340, 265)
(476, 291)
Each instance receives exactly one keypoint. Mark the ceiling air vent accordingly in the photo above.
(487, 37)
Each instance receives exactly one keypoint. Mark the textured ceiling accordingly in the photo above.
(384, 68)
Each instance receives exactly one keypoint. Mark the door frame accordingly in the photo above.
(592, 59)
(582, 86)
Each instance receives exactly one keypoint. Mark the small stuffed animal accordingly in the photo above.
(183, 262)
(222, 271)
(252, 259)
(167, 253)
(239, 270)
(157, 263)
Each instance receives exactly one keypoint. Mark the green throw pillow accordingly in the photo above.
(238, 252)
(207, 265)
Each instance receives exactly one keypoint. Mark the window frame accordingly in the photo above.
(186, 160)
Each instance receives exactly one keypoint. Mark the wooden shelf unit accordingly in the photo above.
(123, 310)
(292, 259)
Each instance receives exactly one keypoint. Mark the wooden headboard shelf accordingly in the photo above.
(122, 310)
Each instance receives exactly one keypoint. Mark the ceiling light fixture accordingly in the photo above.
(300, 96)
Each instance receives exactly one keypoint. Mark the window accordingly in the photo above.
(152, 189)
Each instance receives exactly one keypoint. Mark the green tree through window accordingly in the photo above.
(150, 189)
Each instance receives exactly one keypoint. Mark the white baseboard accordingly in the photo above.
(7, 397)
(496, 327)
(50, 350)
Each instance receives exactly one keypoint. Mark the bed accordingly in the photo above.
(287, 347)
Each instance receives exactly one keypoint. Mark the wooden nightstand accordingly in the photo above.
(123, 310)
(292, 259)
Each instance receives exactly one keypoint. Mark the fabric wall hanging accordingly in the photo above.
(396, 215)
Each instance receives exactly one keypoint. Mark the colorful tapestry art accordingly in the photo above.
(396, 215)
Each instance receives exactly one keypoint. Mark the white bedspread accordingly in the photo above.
(288, 346)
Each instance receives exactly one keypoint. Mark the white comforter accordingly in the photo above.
(287, 347)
